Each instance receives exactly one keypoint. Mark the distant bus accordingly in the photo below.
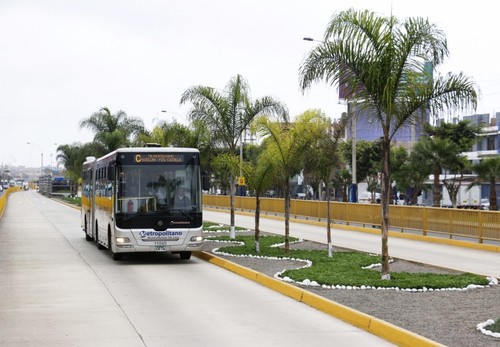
(143, 199)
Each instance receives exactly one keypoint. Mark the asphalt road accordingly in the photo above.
(56, 289)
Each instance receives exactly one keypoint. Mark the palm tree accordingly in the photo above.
(225, 165)
(227, 114)
(174, 134)
(381, 62)
(286, 145)
(463, 133)
(436, 153)
(72, 157)
(324, 159)
(69, 156)
(344, 178)
(112, 130)
(443, 147)
(488, 170)
(259, 177)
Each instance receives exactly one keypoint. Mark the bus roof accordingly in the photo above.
(157, 149)
(149, 150)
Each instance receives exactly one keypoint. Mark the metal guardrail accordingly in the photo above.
(455, 223)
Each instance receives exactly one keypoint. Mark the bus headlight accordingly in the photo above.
(122, 240)
(196, 239)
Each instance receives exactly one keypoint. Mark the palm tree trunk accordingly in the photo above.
(436, 191)
(232, 232)
(328, 227)
(386, 196)
(257, 223)
(287, 216)
(493, 195)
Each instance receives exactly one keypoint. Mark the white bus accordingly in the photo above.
(143, 199)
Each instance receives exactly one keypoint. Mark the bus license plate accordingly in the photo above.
(160, 246)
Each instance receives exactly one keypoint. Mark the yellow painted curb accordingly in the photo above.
(375, 326)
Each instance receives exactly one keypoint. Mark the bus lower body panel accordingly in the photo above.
(174, 241)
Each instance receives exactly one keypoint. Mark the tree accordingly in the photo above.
(441, 149)
(112, 130)
(196, 135)
(381, 64)
(324, 158)
(286, 144)
(72, 157)
(154, 136)
(344, 178)
(259, 177)
(436, 153)
(69, 156)
(488, 170)
(464, 134)
(227, 114)
(368, 158)
(457, 166)
(225, 166)
(418, 175)
(409, 173)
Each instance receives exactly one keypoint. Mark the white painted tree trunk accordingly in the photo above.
(330, 249)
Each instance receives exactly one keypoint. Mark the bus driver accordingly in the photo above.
(180, 200)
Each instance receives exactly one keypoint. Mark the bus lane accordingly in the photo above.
(58, 289)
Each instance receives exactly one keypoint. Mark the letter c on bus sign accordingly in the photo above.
(137, 158)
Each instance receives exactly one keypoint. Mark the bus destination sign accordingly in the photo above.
(158, 158)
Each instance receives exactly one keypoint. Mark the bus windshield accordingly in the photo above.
(158, 188)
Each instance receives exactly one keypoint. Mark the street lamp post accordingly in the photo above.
(41, 153)
(353, 196)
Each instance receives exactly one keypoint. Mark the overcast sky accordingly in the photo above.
(61, 61)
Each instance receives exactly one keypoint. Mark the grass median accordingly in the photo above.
(344, 268)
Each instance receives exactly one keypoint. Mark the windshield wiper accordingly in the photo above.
(183, 212)
(132, 215)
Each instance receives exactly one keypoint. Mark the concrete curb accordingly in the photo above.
(373, 325)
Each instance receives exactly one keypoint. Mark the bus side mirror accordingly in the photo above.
(205, 180)
(111, 172)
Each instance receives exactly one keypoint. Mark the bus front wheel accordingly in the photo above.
(87, 236)
(185, 255)
(115, 256)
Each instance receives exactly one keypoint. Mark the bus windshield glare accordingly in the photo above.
(158, 189)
